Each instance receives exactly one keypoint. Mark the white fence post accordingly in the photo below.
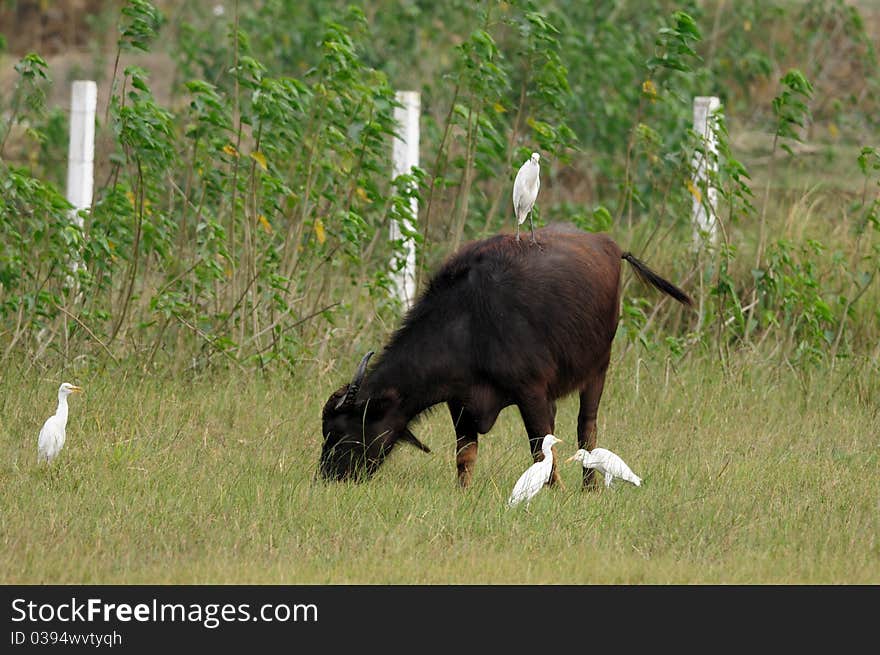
(705, 228)
(81, 153)
(405, 155)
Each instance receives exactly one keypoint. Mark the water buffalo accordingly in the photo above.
(503, 322)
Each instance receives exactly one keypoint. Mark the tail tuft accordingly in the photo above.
(649, 277)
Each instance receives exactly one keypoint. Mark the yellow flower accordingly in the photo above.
(695, 192)
(260, 158)
(230, 150)
(319, 231)
(649, 89)
(265, 223)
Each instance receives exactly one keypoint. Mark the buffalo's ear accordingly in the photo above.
(335, 403)
(408, 437)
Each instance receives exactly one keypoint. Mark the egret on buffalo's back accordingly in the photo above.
(536, 476)
(525, 192)
(52, 434)
(607, 463)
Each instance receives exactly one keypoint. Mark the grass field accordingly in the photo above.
(751, 475)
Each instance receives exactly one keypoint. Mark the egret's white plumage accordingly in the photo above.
(609, 464)
(525, 192)
(52, 434)
(536, 476)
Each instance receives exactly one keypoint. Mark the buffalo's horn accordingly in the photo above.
(355, 383)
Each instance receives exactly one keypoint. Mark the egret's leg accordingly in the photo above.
(532, 225)
(591, 394)
(465, 442)
(538, 416)
(608, 479)
(517, 229)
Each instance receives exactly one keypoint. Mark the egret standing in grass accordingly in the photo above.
(52, 433)
(525, 192)
(536, 476)
(607, 463)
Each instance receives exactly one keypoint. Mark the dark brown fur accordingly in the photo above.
(501, 323)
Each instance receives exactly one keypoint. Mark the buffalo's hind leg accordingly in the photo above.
(591, 394)
(539, 417)
(465, 442)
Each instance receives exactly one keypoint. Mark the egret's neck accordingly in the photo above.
(548, 452)
(61, 412)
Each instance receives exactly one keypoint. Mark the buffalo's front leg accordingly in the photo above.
(539, 417)
(465, 442)
(591, 394)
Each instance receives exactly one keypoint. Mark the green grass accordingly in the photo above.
(751, 476)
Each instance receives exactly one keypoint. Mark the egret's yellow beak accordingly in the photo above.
(76, 389)
(570, 458)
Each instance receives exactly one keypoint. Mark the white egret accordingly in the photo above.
(607, 463)
(536, 476)
(52, 433)
(525, 192)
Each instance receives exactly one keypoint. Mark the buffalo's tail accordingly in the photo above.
(647, 276)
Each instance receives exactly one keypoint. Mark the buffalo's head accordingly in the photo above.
(360, 433)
